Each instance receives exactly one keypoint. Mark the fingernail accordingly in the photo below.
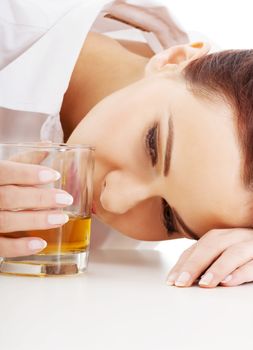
(227, 279)
(49, 175)
(63, 198)
(37, 244)
(171, 279)
(182, 280)
(206, 279)
(57, 219)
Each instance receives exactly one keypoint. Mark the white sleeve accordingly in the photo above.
(23, 22)
(39, 60)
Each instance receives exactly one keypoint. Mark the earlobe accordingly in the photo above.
(176, 57)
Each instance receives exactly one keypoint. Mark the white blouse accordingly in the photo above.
(39, 44)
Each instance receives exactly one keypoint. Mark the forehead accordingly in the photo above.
(206, 129)
(206, 161)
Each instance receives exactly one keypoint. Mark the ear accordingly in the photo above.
(176, 58)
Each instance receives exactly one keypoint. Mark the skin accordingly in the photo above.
(203, 185)
(19, 189)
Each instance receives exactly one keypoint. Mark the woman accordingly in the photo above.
(175, 167)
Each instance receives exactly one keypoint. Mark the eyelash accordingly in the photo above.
(168, 217)
(151, 144)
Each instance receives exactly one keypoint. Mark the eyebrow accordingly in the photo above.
(185, 227)
(169, 147)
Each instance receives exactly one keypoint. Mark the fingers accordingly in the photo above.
(11, 247)
(12, 173)
(182, 259)
(27, 207)
(156, 19)
(18, 198)
(207, 251)
(33, 157)
(203, 254)
(235, 256)
(241, 275)
(31, 220)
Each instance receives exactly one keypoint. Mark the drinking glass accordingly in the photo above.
(67, 247)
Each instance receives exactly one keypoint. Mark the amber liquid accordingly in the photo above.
(72, 237)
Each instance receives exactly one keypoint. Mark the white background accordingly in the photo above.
(228, 23)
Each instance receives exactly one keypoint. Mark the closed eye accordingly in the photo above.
(168, 218)
(151, 144)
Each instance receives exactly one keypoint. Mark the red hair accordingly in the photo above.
(229, 74)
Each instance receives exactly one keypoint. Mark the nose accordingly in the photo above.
(122, 192)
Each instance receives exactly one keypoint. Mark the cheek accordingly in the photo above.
(117, 143)
(193, 199)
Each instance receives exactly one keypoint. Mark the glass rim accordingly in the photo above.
(50, 145)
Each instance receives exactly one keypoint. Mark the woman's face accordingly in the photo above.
(154, 139)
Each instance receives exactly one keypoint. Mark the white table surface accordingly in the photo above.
(122, 302)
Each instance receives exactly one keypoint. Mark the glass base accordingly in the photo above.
(46, 265)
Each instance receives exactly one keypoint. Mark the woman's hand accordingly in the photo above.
(220, 257)
(155, 19)
(19, 196)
